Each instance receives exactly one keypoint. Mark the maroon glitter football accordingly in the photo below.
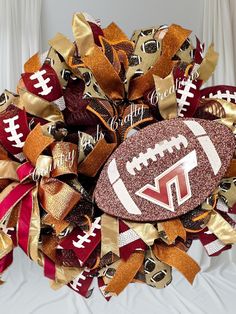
(165, 170)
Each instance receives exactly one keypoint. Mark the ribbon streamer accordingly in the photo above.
(178, 259)
(125, 273)
(109, 235)
(221, 228)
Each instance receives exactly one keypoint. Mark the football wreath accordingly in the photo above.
(114, 158)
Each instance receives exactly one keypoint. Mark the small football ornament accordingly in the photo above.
(165, 170)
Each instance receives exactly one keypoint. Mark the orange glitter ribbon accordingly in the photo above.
(125, 273)
(173, 256)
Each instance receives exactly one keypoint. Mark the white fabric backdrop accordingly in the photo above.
(19, 38)
(219, 27)
(26, 290)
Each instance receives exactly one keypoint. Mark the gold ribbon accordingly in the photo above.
(83, 34)
(62, 45)
(10, 99)
(8, 170)
(35, 225)
(221, 228)
(6, 244)
(167, 102)
(39, 107)
(208, 64)
(64, 275)
(57, 197)
(65, 158)
(146, 231)
(109, 235)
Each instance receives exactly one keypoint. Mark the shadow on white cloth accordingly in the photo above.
(26, 291)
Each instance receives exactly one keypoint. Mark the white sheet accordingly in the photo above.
(26, 291)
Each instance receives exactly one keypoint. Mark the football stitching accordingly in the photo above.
(12, 129)
(87, 235)
(159, 150)
(226, 95)
(185, 94)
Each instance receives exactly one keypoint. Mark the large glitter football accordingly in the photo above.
(165, 170)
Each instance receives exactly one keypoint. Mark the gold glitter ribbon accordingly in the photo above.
(93, 58)
(173, 256)
(167, 102)
(35, 144)
(109, 235)
(57, 197)
(221, 228)
(125, 273)
(65, 158)
(63, 275)
(208, 64)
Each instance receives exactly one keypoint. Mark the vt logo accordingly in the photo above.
(178, 174)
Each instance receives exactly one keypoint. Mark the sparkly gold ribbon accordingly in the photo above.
(105, 74)
(33, 64)
(113, 33)
(57, 197)
(65, 158)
